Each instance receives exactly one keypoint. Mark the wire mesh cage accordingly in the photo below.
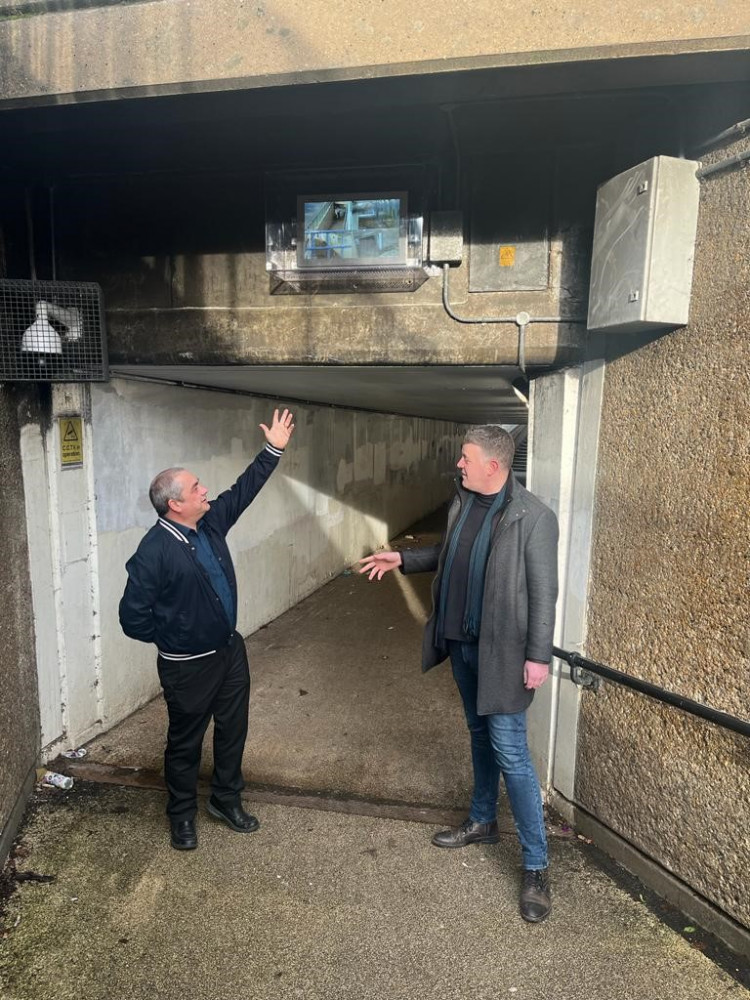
(52, 331)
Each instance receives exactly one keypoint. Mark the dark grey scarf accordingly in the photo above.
(477, 565)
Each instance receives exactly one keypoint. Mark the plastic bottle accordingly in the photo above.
(57, 780)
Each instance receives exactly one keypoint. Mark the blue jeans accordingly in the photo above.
(499, 746)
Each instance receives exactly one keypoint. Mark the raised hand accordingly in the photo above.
(281, 428)
(380, 563)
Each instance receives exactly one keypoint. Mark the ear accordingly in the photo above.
(171, 501)
(493, 466)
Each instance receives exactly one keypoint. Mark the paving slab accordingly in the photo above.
(320, 906)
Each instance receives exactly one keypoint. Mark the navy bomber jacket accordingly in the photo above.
(168, 598)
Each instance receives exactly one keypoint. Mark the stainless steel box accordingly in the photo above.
(644, 244)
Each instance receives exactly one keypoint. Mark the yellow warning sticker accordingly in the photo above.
(71, 441)
(507, 256)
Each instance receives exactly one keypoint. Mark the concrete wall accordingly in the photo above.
(81, 52)
(213, 305)
(19, 711)
(668, 598)
(349, 482)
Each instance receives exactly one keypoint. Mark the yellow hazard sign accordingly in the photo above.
(507, 256)
(71, 441)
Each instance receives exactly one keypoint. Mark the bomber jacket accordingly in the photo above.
(168, 598)
(518, 605)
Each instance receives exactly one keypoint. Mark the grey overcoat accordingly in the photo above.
(518, 607)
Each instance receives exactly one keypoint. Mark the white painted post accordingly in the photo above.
(45, 580)
(64, 575)
(563, 436)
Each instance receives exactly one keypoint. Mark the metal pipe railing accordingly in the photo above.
(713, 715)
(730, 161)
(520, 319)
(728, 135)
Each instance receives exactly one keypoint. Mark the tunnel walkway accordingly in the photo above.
(345, 898)
(339, 707)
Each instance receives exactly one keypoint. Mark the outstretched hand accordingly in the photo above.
(281, 428)
(380, 563)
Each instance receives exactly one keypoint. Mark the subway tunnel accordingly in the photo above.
(176, 204)
(339, 708)
(165, 201)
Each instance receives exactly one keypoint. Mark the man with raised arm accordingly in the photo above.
(181, 595)
(493, 615)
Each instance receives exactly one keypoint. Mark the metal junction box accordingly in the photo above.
(644, 244)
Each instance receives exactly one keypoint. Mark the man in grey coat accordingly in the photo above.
(493, 615)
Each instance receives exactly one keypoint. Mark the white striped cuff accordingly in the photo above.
(278, 452)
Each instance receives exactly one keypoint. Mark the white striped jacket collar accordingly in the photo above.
(173, 531)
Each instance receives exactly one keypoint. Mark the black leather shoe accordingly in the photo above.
(234, 816)
(468, 833)
(535, 898)
(183, 835)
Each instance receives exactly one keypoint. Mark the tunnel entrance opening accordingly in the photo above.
(161, 200)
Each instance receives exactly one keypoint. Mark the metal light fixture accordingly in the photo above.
(41, 337)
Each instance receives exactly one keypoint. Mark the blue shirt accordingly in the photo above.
(216, 575)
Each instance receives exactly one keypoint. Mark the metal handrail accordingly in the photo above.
(730, 161)
(724, 719)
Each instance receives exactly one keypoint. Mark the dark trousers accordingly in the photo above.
(194, 690)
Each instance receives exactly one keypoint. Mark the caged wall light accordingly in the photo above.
(52, 331)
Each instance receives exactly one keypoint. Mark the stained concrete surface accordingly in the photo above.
(339, 704)
(316, 905)
(19, 704)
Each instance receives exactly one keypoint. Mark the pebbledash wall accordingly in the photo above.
(670, 570)
(349, 481)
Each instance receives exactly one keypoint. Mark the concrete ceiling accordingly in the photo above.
(380, 120)
(461, 393)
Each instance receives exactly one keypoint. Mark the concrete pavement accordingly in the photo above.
(320, 906)
(354, 760)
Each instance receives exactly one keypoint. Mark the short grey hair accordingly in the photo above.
(164, 487)
(494, 441)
